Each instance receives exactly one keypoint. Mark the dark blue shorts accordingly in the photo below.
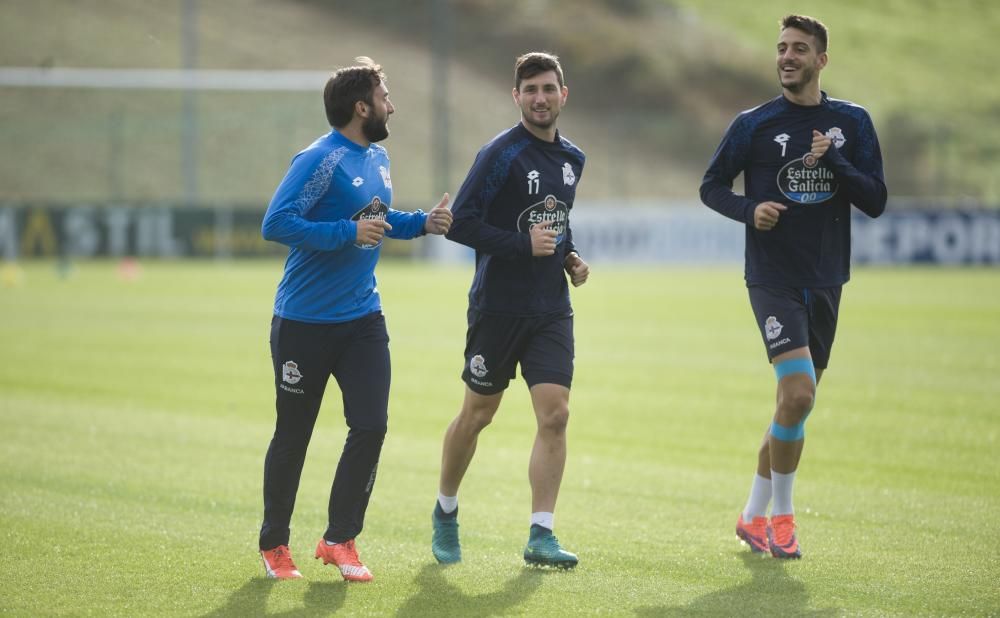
(495, 344)
(790, 318)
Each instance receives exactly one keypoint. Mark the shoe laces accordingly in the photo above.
(448, 529)
(784, 530)
(548, 542)
(757, 527)
(349, 553)
(282, 558)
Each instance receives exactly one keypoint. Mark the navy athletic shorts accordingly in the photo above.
(495, 344)
(791, 318)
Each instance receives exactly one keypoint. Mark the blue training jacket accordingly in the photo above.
(329, 186)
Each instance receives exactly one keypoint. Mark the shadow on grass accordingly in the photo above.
(319, 599)
(770, 592)
(438, 597)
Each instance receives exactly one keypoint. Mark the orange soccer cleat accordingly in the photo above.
(345, 556)
(753, 534)
(278, 563)
(781, 535)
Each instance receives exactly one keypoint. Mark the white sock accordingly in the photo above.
(543, 519)
(782, 489)
(448, 503)
(760, 496)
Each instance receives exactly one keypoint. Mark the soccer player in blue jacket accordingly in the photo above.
(805, 159)
(513, 209)
(333, 209)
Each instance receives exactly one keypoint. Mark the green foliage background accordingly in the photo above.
(653, 84)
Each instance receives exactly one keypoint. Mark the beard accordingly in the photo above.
(553, 115)
(806, 76)
(375, 129)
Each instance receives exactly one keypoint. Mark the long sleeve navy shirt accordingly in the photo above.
(516, 181)
(811, 244)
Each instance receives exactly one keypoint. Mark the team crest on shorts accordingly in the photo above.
(477, 365)
(290, 372)
(772, 327)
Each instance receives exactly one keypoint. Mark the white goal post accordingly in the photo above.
(164, 79)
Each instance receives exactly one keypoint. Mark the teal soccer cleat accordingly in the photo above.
(444, 543)
(543, 549)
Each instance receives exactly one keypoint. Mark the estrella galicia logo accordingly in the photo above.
(375, 209)
(807, 180)
(549, 209)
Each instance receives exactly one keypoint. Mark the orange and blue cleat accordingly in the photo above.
(754, 534)
(781, 534)
(345, 556)
(278, 563)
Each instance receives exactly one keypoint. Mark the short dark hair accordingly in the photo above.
(349, 85)
(535, 63)
(809, 25)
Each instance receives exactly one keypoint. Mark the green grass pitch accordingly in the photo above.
(135, 416)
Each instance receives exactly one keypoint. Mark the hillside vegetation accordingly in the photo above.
(653, 84)
(922, 67)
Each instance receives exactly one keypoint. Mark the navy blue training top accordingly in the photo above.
(518, 180)
(811, 244)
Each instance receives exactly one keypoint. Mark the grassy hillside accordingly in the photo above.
(653, 84)
(127, 144)
(920, 66)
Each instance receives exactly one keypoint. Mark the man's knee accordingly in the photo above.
(478, 410)
(796, 397)
(554, 419)
(372, 423)
(551, 403)
(796, 388)
(477, 419)
(796, 400)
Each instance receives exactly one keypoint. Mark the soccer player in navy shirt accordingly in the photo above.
(513, 209)
(805, 159)
(333, 209)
